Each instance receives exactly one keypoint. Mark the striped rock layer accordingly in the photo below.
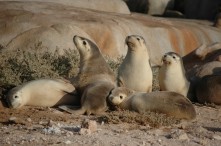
(49, 26)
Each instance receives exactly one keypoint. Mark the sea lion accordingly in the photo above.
(172, 74)
(95, 79)
(135, 71)
(169, 103)
(208, 89)
(43, 92)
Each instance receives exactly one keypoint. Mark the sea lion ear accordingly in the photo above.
(130, 91)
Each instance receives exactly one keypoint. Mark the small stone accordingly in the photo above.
(89, 124)
(12, 119)
(69, 133)
(179, 134)
(84, 131)
(183, 137)
(67, 142)
(29, 119)
(216, 137)
(50, 123)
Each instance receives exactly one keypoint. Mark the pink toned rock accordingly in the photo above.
(84, 131)
(89, 124)
(50, 26)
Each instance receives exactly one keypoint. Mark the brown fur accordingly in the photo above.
(94, 81)
(170, 103)
(208, 89)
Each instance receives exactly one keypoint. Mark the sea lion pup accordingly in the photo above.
(94, 81)
(43, 92)
(172, 74)
(169, 103)
(208, 89)
(135, 71)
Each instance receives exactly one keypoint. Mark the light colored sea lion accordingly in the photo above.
(169, 103)
(208, 89)
(43, 92)
(135, 71)
(172, 74)
(94, 81)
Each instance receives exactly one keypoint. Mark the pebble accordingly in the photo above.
(68, 142)
(69, 133)
(84, 131)
(12, 119)
(216, 137)
(183, 137)
(179, 134)
(89, 124)
(29, 119)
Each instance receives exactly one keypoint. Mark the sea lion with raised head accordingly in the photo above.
(172, 74)
(135, 71)
(95, 79)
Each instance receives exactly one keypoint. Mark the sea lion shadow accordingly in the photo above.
(217, 71)
(72, 99)
(213, 129)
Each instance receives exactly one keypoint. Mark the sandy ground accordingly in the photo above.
(50, 126)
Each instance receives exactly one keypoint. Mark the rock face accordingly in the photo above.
(201, 9)
(116, 6)
(49, 26)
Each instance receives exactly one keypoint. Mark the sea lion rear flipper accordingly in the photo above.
(70, 109)
(120, 82)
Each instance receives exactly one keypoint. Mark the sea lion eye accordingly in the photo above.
(121, 97)
(138, 39)
(84, 43)
(16, 96)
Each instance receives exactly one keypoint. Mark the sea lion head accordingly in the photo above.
(85, 47)
(14, 98)
(118, 95)
(171, 58)
(134, 42)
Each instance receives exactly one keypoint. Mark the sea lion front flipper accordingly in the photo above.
(70, 109)
(120, 82)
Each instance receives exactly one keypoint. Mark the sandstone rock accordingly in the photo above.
(84, 131)
(180, 135)
(50, 26)
(115, 6)
(89, 124)
(158, 7)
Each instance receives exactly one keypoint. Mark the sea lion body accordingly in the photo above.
(172, 74)
(208, 89)
(43, 92)
(169, 103)
(135, 71)
(94, 81)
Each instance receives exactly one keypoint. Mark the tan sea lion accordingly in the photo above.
(169, 103)
(135, 71)
(172, 74)
(94, 81)
(208, 89)
(43, 92)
